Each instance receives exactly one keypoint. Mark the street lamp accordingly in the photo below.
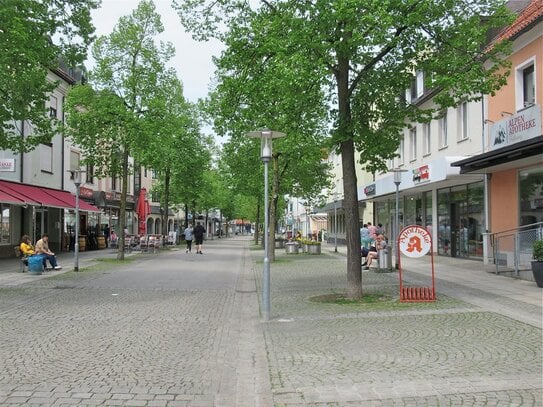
(76, 174)
(335, 222)
(397, 181)
(266, 136)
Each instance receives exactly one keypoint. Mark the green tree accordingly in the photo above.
(365, 54)
(34, 35)
(128, 68)
(174, 147)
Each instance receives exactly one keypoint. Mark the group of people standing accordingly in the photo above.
(41, 249)
(372, 240)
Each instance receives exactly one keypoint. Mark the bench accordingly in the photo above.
(23, 264)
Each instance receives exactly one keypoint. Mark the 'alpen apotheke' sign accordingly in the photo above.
(521, 126)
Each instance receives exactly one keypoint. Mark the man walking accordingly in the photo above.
(188, 237)
(198, 232)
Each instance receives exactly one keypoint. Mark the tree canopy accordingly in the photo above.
(363, 55)
(36, 37)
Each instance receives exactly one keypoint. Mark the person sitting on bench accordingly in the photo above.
(373, 251)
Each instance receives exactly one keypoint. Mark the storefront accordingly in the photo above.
(34, 210)
(449, 206)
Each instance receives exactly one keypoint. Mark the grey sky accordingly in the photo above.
(192, 60)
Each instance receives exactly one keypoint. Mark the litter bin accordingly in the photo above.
(385, 259)
(35, 265)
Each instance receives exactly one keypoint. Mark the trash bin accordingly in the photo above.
(385, 259)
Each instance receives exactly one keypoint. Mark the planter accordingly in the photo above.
(314, 249)
(292, 248)
(279, 243)
(537, 270)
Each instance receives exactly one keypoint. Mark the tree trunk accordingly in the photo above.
(273, 208)
(350, 200)
(257, 223)
(122, 209)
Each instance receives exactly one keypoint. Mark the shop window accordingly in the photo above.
(531, 196)
(5, 230)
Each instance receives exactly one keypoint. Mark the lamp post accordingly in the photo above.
(397, 181)
(335, 222)
(266, 136)
(77, 182)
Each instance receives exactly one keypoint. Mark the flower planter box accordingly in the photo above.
(314, 249)
(292, 248)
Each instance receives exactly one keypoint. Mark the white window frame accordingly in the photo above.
(53, 106)
(413, 144)
(46, 157)
(420, 84)
(463, 117)
(519, 84)
(443, 132)
(426, 138)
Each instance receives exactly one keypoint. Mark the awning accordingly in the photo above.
(7, 198)
(520, 150)
(69, 198)
(38, 196)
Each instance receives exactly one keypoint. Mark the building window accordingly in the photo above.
(463, 121)
(46, 157)
(90, 173)
(443, 138)
(420, 84)
(426, 138)
(5, 230)
(74, 163)
(53, 106)
(402, 151)
(413, 144)
(525, 86)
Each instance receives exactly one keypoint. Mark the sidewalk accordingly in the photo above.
(474, 282)
(11, 277)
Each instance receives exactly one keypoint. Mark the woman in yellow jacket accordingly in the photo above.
(26, 246)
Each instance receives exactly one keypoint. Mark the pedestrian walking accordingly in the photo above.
(188, 237)
(199, 231)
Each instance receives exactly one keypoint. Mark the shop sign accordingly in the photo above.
(86, 193)
(7, 165)
(421, 174)
(521, 126)
(414, 241)
(370, 190)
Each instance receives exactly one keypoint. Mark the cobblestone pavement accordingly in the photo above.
(181, 330)
(135, 336)
(454, 352)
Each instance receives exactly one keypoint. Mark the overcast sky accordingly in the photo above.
(192, 60)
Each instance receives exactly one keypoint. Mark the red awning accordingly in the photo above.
(7, 198)
(38, 196)
(69, 199)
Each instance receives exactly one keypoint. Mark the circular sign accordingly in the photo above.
(414, 241)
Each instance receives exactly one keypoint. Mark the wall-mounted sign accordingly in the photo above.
(421, 174)
(7, 164)
(86, 192)
(370, 190)
(521, 126)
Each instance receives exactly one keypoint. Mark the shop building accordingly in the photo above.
(512, 160)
